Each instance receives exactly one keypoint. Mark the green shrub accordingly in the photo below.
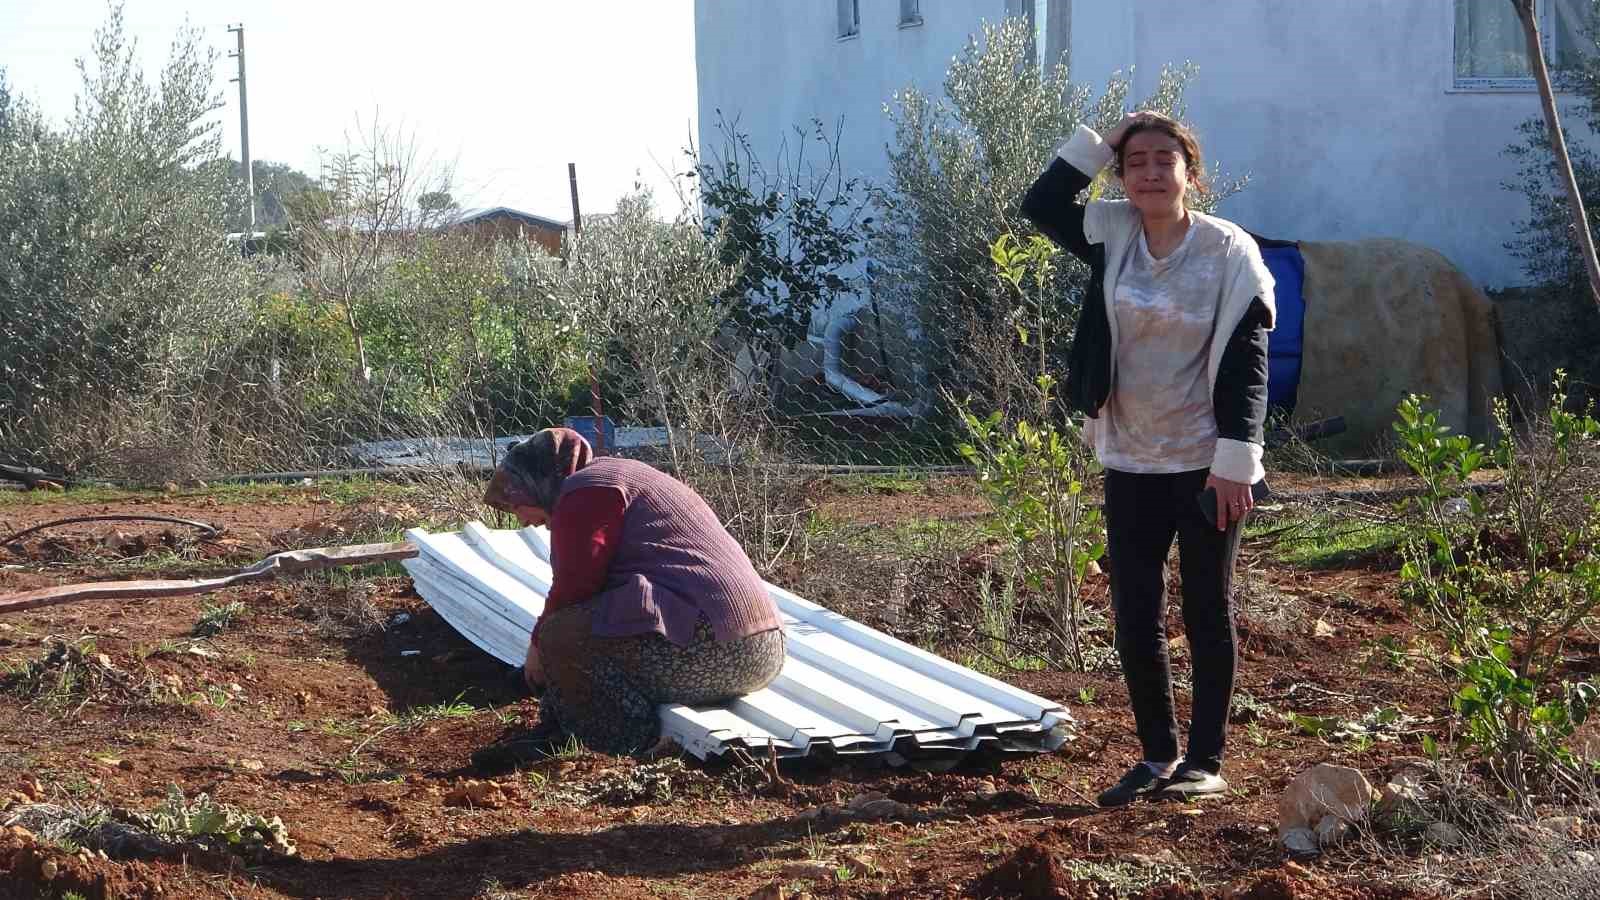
(792, 236)
(1033, 474)
(115, 282)
(1507, 580)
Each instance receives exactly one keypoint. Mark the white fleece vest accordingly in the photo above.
(1116, 224)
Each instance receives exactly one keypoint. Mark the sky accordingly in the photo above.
(505, 93)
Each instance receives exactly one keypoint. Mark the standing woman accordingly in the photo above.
(1169, 363)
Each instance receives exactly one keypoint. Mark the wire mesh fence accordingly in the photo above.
(784, 313)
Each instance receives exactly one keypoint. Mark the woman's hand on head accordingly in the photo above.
(1234, 500)
(1115, 135)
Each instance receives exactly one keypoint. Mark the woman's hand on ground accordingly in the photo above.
(533, 669)
(1234, 500)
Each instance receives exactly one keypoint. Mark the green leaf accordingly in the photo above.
(1316, 726)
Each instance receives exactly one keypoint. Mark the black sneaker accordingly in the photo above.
(1140, 780)
(1191, 782)
(537, 743)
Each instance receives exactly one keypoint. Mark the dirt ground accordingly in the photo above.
(341, 704)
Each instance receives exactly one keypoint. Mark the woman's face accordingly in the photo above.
(531, 515)
(500, 495)
(1155, 174)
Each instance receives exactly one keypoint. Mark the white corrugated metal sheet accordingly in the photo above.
(846, 689)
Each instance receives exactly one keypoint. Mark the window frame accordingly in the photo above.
(846, 31)
(1493, 84)
(910, 13)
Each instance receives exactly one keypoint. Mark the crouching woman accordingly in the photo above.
(652, 600)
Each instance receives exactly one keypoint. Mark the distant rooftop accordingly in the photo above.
(468, 216)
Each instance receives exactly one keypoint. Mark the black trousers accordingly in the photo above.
(1143, 514)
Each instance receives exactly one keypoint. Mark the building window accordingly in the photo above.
(849, 18)
(910, 13)
(1052, 26)
(1491, 52)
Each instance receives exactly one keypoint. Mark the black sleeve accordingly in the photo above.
(1052, 205)
(1240, 398)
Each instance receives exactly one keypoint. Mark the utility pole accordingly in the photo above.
(244, 131)
(595, 406)
(572, 179)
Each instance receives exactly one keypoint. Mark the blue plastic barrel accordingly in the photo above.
(585, 425)
(1284, 344)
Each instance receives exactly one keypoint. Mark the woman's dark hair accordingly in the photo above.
(1192, 159)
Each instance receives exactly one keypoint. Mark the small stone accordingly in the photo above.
(808, 869)
(170, 487)
(1301, 842)
(1570, 826)
(1155, 860)
(1583, 858)
(174, 681)
(484, 794)
(860, 866)
(881, 809)
(1321, 791)
(104, 661)
(1332, 830)
(202, 652)
(1402, 789)
(1443, 834)
(252, 765)
(48, 869)
(1322, 629)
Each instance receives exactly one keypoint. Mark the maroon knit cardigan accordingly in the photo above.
(674, 562)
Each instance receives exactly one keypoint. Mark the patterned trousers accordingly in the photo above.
(605, 690)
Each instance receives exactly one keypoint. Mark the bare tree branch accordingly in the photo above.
(1541, 73)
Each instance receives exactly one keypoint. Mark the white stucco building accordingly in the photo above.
(1354, 119)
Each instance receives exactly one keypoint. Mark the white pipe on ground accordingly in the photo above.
(875, 404)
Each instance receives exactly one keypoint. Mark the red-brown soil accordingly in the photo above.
(291, 711)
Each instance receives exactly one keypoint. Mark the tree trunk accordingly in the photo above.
(1541, 74)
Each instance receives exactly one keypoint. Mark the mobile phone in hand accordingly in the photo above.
(1208, 500)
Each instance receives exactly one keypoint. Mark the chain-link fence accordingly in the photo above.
(785, 314)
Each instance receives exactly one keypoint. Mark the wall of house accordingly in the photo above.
(506, 228)
(1341, 113)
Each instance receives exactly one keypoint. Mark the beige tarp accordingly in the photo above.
(1385, 318)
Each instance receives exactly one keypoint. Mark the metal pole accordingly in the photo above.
(572, 179)
(595, 406)
(244, 130)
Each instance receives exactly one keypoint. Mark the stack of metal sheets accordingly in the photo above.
(845, 689)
